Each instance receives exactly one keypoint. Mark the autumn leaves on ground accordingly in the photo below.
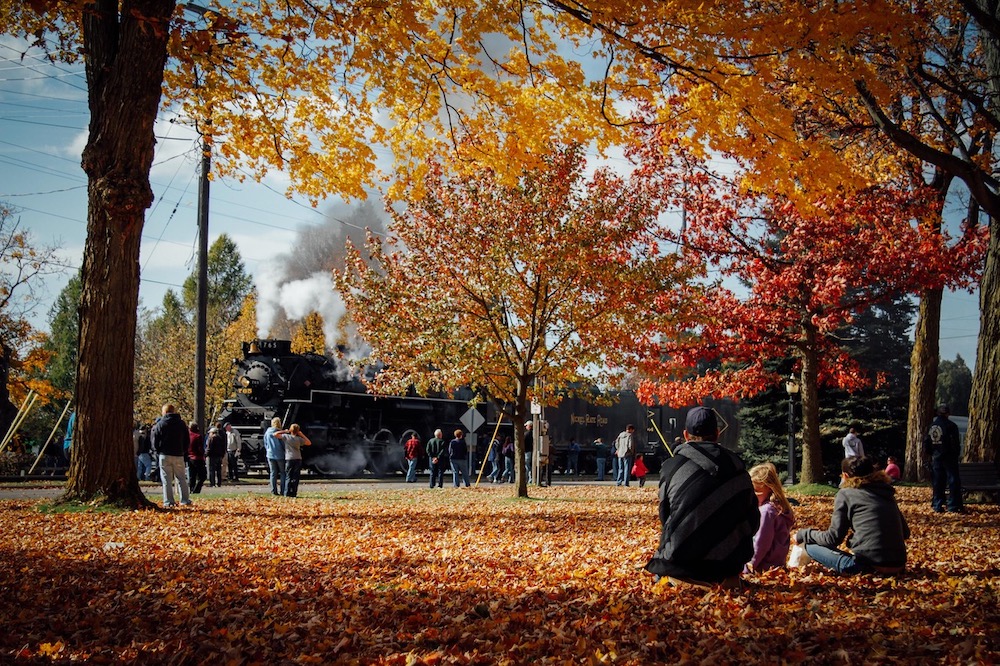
(417, 576)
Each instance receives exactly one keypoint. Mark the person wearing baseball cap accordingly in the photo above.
(708, 510)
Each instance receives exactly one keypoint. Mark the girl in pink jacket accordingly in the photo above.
(773, 537)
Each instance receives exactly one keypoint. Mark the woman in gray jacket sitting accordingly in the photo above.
(866, 504)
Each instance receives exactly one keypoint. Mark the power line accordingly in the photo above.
(40, 124)
(32, 106)
(55, 173)
(41, 96)
(41, 152)
(48, 63)
(35, 194)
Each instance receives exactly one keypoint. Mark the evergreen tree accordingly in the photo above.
(64, 334)
(878, 339)
(228, 284)
(954, 385)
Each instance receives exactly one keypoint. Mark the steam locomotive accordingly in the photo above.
(352, 431)
(356, 433)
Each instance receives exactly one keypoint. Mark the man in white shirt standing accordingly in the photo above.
(234, 445)
(853, 448)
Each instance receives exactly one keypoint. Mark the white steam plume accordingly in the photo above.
(301, 281)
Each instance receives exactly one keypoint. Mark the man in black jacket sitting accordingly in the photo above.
(708, 509)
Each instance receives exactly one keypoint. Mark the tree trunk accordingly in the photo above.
(924, 362)
(125, 56)
(812, 449)
(983, 437)
(520, 414)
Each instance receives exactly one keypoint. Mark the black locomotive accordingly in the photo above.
(352, 431)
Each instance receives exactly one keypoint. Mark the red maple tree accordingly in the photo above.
(785, 280)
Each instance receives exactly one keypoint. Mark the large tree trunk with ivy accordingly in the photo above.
(126, 52)
(923, 381)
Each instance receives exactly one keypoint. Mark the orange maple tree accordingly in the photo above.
(23, 356)
(525, 290)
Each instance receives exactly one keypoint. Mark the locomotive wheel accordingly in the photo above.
(385, 453)
(325, 465)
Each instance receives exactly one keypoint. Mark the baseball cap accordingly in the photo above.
(701, 422)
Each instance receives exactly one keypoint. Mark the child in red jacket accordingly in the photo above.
(639, 470)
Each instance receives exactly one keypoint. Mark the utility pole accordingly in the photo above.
(201, 319)
(201, 325)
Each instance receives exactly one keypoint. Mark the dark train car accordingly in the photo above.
(584, 421)
(352, 431)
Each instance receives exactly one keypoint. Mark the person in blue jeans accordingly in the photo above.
(293, 439)
(413, 452)
(458, 453)
(625, 449)
(274, 447)
(866, 505)
(601, 456)
(943, 446)
(437, 457)
(169, 439)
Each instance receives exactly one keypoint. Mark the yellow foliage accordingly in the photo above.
(309, 336)
(314, 89)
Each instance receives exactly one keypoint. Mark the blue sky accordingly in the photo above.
(43, 120)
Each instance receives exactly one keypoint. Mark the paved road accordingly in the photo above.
(44, 489)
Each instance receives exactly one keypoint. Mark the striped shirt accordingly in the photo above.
(708, 513)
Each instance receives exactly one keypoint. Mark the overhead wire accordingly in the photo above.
(48, 63)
